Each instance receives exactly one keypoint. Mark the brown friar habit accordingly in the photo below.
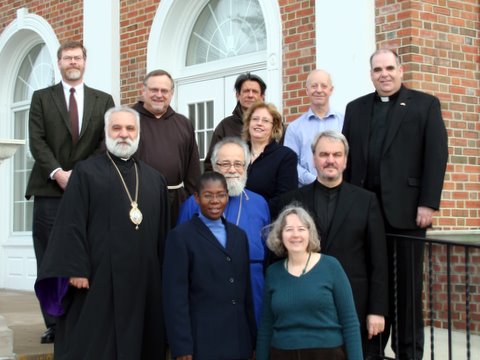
(168, 145)
(120, 315)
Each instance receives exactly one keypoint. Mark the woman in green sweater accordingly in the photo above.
(308, 308)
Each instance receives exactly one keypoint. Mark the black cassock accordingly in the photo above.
(120, 315)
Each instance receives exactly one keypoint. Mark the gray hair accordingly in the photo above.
(385, 51)
(118, 109)
(331, 134)
(275, 241)
(159, 72)
(231, 140)
(316, 71)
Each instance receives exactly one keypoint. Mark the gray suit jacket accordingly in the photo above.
(50, 136)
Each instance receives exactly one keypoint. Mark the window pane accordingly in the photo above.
(201, 116)
(226, 28)
(210, 114)
(22, 165)
(36, 72)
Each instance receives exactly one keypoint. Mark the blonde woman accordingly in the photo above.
(273, 167)
(308, 308)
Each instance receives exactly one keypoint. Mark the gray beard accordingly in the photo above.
(73, 75)
(121, 150)
(236, 186)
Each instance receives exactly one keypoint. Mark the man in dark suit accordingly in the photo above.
(66, 124)
(399, 151)
(207, 295)
(350, 225)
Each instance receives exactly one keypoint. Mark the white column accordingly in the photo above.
(101, 29)
(345, 33)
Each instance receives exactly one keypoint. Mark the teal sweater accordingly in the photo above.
(315, 310)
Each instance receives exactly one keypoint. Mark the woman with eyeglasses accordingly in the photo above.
(308, 307)
(273, 167)
(207, 295)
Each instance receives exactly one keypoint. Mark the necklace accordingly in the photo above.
(254, 154)
(306, 264)
(239, 209)
(135, 214)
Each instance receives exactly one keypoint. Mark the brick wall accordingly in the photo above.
(136, 19)
(438, 42)
(298, 18)
(65, 17)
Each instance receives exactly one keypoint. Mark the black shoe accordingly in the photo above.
(48, 336)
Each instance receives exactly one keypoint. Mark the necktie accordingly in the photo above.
(73, 110)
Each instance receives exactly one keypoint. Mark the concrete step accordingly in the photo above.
(22, 315)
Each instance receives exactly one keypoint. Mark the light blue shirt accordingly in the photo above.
(300, 135)
(217, 228)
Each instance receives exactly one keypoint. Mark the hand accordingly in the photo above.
(185, 357)
(79, 283)
(424, 216)
(61, 177)
(375, 325)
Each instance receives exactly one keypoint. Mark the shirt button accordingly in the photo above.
(231, 280)
(228, 258)
(234, 302)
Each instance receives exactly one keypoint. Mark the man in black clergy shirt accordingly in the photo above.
(399, 151)
(101, 275)
(350, 225)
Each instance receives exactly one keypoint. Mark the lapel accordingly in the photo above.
(397, 113)
(89, 99)
(366, 108)
(344, 204)
(207, 235)
(58, 98)
(231, 243)
(308, 196)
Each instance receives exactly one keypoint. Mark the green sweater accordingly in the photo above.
(315, 310)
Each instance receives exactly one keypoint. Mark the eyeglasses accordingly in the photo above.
(261, 120)
(70, 58)
(211, 197)
(227, 165)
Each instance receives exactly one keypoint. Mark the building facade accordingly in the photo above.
(205, 44)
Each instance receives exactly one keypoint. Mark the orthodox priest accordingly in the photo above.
(101, 275)
(168, 139)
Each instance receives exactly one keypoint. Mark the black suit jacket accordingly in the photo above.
(357, 239)
(414, 155)
(207, 295)
(50, 136)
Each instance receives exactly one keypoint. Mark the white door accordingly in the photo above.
(203, 103)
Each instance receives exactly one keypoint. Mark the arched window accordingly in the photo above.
(226, 28)
(35, 72)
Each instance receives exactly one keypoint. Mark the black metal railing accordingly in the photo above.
(448, 271)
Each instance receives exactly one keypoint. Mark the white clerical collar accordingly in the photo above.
(384, 98)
